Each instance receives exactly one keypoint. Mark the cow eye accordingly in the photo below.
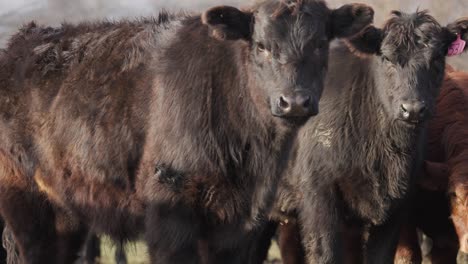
(386, 59)
(261, 47)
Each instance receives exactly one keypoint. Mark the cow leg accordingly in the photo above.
(231, 256)
(231, 244)
(120, 257)
(172, 234)
(250, 248)
(408, 249)
(30, 218)
(9, 244)
(353, 234)
(259, 252)
(320, 218)
(256, 250)
(382, 242)
(441, 254)
(290, 243)
(69, 245)
(3, 253)
(71, 236)
(42, 233)
(91, 249)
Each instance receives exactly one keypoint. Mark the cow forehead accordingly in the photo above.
(290, 29)
(411, 31)
(279, 13)
(301, 28)
(411, 37)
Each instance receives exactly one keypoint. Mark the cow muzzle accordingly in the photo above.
(296, 105)
(413, 111)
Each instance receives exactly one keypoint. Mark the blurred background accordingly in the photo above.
(14, 13)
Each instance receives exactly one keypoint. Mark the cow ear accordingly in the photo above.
(367, 42)
(228, 23)
(456, 37)
(350, 19)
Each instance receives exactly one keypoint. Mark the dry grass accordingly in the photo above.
(137, 253)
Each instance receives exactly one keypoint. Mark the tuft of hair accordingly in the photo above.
(290, 7)
(8, 243)
(406, 24)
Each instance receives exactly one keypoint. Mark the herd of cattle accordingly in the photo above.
(205, 134)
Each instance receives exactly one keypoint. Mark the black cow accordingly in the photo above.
(175, 127)
(356, 162)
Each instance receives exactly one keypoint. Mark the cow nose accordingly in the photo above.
(412, 111)
(297, 105)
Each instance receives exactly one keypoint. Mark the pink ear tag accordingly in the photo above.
(457, 47)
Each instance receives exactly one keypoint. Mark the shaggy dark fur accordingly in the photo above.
(355, 163)
(90, 113)
(440, 206)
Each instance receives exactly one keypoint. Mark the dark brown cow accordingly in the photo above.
(175, 127)
(356, 162)
(440, 205)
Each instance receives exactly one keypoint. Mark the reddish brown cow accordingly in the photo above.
(441, 202)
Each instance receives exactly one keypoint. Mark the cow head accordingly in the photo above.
(288, 47)
(409, 61)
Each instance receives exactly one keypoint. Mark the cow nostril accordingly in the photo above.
(283, 103)
(403, 108)
(404, 111)
(306, 102)
(422, 111)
